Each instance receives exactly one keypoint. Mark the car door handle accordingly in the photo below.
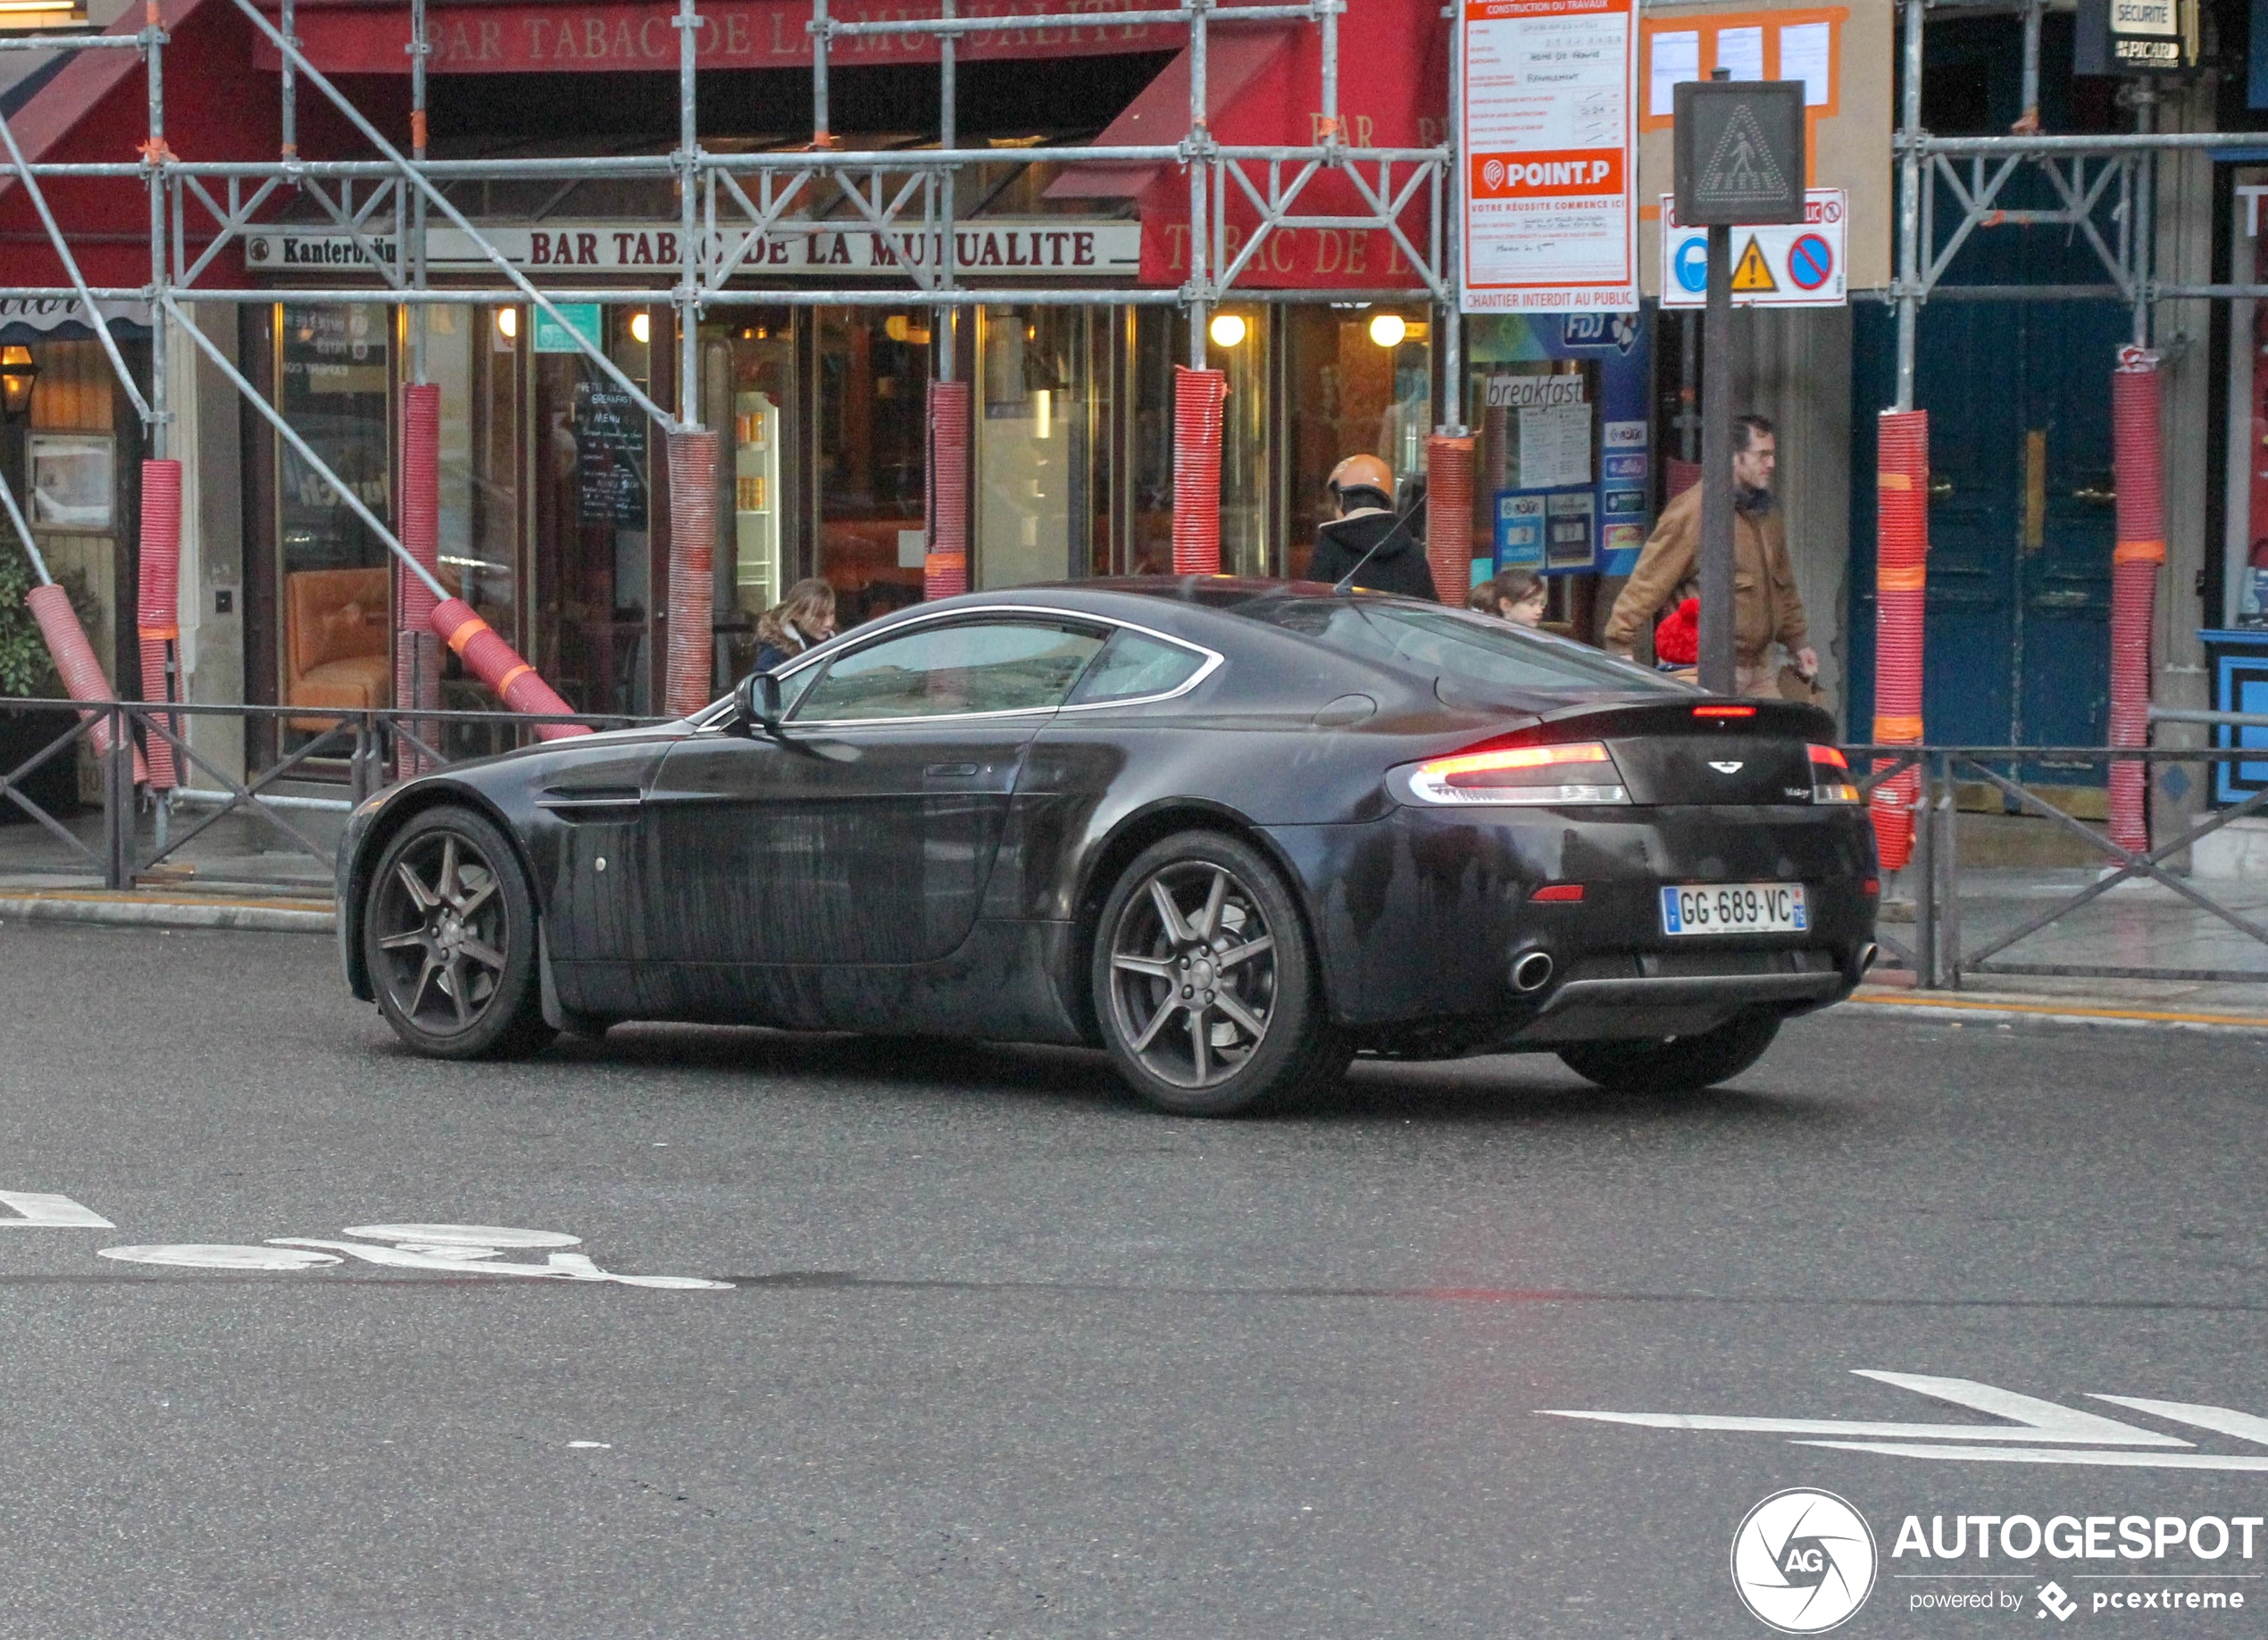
(950, 771)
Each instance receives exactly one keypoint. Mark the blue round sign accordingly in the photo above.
(1692, 264)
(1810, 260)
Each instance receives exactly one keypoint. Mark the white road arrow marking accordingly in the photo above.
(36, 1208)
(2052, 1454)
(2033, 1419)
(2219, 1419)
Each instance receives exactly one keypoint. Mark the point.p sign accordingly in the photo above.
(1599, 172)
(1548, 191)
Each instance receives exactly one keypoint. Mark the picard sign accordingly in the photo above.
(1057, 247)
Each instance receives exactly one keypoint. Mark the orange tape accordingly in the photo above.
(473, 627)
(512, 677)
(1901, 577)
(164, 632)
(1896, 731)
(950, 561)
(417, 128)
(2139, 551)
(1893, 481)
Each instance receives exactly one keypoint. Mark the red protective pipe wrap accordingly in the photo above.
(75, 661)
(494, 662)
(1901, 576)
(1449, 517)
(1198, 397)
(945, 567)
(2138, 460)
(158, 603)
(693, 557)
(417, 661)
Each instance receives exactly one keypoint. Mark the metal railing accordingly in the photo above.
(348, 751)
(1939, 956)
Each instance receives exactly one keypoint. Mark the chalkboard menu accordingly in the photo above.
(610, 456)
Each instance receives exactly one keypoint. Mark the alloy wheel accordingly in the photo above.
(442, 933)
(1193, 974)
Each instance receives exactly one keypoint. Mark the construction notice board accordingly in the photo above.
(1842, 51)
(1797, 264)
(1548, 190)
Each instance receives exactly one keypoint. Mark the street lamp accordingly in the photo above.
(18, 376)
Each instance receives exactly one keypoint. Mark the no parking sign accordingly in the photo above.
(1795, 264)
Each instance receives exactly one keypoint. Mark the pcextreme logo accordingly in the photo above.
(1803, 1561)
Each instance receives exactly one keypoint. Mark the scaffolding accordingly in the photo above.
(728, 205)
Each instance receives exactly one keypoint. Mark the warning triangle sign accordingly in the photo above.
(1754, 275)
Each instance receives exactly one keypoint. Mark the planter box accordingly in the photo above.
(54, 785)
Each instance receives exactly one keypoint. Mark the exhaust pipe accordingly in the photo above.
(1531, 971)
(1867, 953)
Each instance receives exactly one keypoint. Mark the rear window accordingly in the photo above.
(1459, 647)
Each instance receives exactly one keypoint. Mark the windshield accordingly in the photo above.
(1459, 647)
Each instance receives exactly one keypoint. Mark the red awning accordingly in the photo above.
(1233, 59)
(1393, 86)
(510, 36)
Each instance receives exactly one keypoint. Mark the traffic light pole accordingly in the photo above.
(1717, 673)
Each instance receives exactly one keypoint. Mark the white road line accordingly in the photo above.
(36, 1208)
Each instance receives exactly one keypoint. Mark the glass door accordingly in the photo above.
(1035, 479)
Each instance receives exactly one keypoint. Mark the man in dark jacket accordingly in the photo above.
(1362, 486)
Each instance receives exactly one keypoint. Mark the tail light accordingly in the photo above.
(1580, 772)
(1828, 767)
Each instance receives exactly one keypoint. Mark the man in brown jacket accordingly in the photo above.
(1766, 609)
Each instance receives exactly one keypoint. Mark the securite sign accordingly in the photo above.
(1795, 264)
(1548, 189)
(1056, 247)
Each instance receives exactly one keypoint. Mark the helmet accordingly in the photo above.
(1363, 472)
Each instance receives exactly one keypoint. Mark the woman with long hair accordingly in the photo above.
(805, 617)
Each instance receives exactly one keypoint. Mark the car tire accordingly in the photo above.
(1681, 1065)
(449, 937)
(1181, 1030)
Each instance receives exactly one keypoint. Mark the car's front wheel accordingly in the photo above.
(1207, 991)
(449, 934)
(1679, 1065)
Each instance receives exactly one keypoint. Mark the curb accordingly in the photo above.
(151, 911)
(2003, 1010)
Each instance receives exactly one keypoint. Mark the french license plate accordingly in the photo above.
(1735, 907)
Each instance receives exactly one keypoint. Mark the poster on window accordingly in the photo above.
(70, 480)
(1548, 189)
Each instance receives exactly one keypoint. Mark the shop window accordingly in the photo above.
(1035, 445)
(872, 456)
(594, 566)
(1238, 343)
(1358, 380)
(334, 373)
(2245, 579)
(748, 393)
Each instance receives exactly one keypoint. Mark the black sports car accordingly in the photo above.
(1233, 831)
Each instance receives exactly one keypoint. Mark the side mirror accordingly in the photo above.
(759, 702)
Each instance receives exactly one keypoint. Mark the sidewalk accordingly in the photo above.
(241, 873)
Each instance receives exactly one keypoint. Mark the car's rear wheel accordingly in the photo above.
(449, 934)
(1205, 989)
(1679, 1065)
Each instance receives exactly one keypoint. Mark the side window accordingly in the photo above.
(1133, 666)
(972, 666)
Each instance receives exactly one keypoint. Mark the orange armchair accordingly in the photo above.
(335, 642)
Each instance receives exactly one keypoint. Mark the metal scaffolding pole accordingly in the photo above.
(1909, 205)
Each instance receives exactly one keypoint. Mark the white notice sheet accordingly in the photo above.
(1555, 446)
(1550, 139)
(1806, 52)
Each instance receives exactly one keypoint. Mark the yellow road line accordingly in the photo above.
(100, 898)
(1979, 1005)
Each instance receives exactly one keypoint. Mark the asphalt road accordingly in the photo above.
(1005, 1354)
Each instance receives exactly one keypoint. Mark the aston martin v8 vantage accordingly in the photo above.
(1233, 832)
